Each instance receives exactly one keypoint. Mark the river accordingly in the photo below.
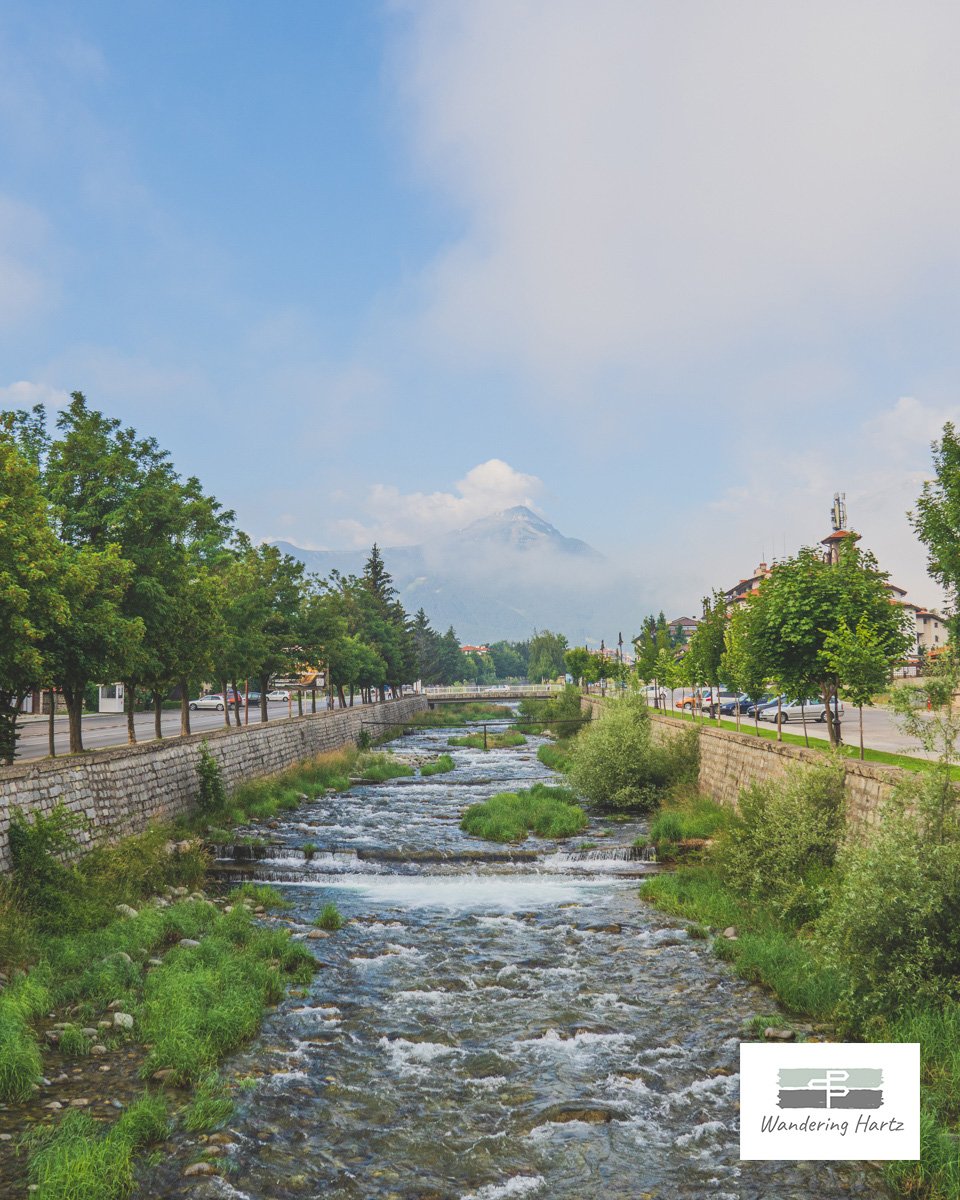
(490, 1029)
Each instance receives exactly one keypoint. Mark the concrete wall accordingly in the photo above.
(125, 790)
(731, 761)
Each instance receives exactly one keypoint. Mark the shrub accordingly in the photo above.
(212, 796)
(329, 918)
(561, 713)
(892, 926)
(507, 817)
(44, 883)
(618, 764)
(784, 840)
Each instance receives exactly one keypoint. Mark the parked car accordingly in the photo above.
(215, 700)
(796, 710)
(754, 707)
(276, 694)
(712, 700)
(253, 697)
(728, 707)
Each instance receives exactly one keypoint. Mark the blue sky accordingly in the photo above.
(671, 274)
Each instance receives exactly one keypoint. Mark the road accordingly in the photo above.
(110, 729)
(880, 730)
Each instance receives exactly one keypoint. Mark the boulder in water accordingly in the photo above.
(575, 1110)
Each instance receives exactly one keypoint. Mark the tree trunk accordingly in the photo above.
(9, 711)
(831, 728)
(299, 702)
(129, 697)
(313, 698)
(184, 707)
(224, 688)
(351, 695)
(803, 718)
(264, 688)
(74, 699)
(52, 725)
(343, 699)
(779, 718)
(861, 730)
(236, 707)
(246, 702)
(158, 715)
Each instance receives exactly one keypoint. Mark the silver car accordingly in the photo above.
(215, 701)
(796, 710)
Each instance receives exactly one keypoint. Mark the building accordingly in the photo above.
(932, 631)
(474, 649)
(682, 629)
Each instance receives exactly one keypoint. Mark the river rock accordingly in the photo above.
(592, 1114)
(188, 942)
(772, 1034)
(123, 1020)
(731, 933)
(200, 1168)
(98, 1050)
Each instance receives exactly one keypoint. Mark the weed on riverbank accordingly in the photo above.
(549, 812)
(556, 755)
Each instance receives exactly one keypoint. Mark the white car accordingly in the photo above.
(811, 710)
(215, 701)
(278, 694)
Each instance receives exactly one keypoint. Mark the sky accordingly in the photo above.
(670, 274)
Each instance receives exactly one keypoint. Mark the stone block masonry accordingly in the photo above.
(124, 791)
(731, 761)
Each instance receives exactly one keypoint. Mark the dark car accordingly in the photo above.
(753, 708)
(729, 707)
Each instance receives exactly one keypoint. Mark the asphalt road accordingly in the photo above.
(880, 730)
(110, 729)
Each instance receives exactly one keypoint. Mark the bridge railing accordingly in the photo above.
(436, 692)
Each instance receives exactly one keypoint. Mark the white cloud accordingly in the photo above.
(25, 394)
(642, 182)
(396, 518)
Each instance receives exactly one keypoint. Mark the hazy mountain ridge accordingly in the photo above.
(500, 577)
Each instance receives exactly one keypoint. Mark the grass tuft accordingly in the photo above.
(329, 918)
(438, 767)
(549, 812)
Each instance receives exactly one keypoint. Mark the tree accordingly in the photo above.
(708, 642)
(546, 655)
(578, 662)
(740, 666)
(31, 600)
(937, 519)
(96, 640)
(803, 600)
(860, 663)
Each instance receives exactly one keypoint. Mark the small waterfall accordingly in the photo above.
(645, 854)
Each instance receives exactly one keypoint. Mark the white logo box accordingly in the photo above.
(830, 1100)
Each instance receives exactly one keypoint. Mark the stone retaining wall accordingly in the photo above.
(125, 790)
(731, 761)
